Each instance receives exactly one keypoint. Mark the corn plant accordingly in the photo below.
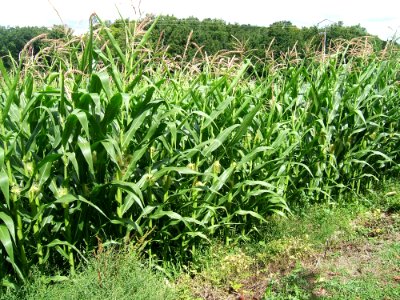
(103, 142)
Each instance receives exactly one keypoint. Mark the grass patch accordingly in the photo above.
(110, 275)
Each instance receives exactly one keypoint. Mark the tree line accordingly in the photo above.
(212, 35)
(191, 35)
(14, 39)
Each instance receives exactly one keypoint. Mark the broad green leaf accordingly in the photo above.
(223, 178)
(112, 110)
(109, 147)
(66, 199)
(239, 76)
(57, 242)
(70, 124)
(221, 108)
(136, 156)
(44, 173)
(8, 221)
(199, 234)
(48, 159)
(100, 81)
(129, 201)
(146, 211)
(84, 145)
(180, 170)
(129, 224)
(251, 213)
(1, 158)
(11, 97)
(7, 243)
(5, 186)
(219, 140)
(28, 86)
(72, 158)
(4, 73)
(245, 124)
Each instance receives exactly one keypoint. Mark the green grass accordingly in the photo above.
(378, 279)
(109, 275)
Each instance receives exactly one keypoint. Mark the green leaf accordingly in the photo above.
(57, 242)
(251, 213)
(6, 241)
(84, 145)
(44, 173)
(199, 234)
(109, 147)
(112, 110)
(48, 159)
(113, 42)
(72, 159)
(142, 42)
(5, 186)
(146, 211)
(1, 158)
(69, 198)
(28, 85)
(134, 126)
(218, 111)
(4, 73)
(70, 124)
(129, 201)
(8, 221)
(161, 213)
(219, 140)
(129, 224)
(222, 179)
(180, 170)
(137, 155)
(170, 214)
(245, 124)
(11, 97)
(134, 82)
(134, 193)
(84, 101)
(100, 81)
(239, 76)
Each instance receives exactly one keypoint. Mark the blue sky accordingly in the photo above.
(381, 18)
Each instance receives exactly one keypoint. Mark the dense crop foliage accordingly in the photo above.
(97, 147)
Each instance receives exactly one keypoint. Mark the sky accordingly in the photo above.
(380, 18)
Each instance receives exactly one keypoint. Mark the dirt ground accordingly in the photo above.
(363, 266)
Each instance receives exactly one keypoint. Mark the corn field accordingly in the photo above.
(104, 145)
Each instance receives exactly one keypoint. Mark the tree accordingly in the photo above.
(14, 39)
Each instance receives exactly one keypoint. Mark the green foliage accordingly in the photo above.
(14, 39)
(191, 37)
(106, 140)
(277, 39)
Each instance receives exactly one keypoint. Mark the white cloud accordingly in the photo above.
(379, 18)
